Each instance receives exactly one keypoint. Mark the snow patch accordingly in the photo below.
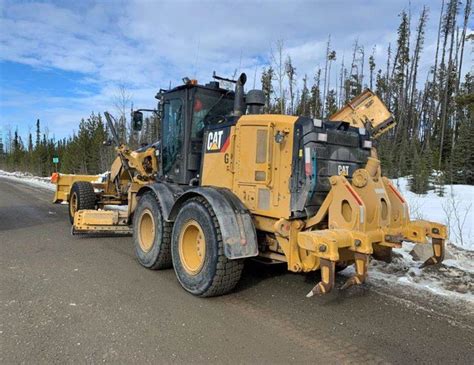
(455, 209)
(453, 279)
(42, 182)
(102, 178)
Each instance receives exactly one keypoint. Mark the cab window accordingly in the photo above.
(207, 108)
(172, 133)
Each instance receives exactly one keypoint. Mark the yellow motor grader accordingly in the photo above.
(226, 182)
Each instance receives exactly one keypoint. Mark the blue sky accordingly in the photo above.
(61, 60)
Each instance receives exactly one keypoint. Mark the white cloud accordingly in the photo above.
(147, 44)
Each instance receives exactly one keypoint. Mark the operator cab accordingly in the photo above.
(185, 111)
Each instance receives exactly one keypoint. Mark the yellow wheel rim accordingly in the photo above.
(73, 204)
(192, 247)
(146, 229)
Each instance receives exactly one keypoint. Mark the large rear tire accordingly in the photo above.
(82, 196)
(151, 234)
(198, 252)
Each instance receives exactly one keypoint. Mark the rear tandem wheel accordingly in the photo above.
(151, 234)
(198, 252)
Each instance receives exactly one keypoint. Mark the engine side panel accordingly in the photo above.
(321, 150)
(278, 165)
(244, 157)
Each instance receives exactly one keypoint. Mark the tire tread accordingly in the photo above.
(228, 272)
(85, 195)
(164, 257)
(163, 260)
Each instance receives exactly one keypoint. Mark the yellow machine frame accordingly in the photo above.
(366, 217)
(358, 218)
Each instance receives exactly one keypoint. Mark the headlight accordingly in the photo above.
(318, 123)
(367, 144)
(322, 137)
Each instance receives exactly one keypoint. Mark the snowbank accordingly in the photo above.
(455, 210)
(453, 279)
(42, 182)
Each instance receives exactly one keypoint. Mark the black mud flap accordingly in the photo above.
(235, 221)
(166, 193)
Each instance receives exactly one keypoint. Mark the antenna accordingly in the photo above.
(255, 76)
(197, 58)
(240, 61)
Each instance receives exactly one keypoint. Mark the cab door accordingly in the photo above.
(172, 137)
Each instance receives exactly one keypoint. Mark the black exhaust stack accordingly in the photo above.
(239, 102)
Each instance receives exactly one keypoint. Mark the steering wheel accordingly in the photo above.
(215, 119)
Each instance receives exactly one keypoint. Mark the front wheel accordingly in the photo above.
(198, 252)
(151, 234)
(82, 196)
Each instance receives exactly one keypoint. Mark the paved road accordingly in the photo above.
(70, 299)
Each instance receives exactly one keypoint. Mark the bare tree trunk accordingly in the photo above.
(122, 101)
(362, 53)
(407, 80)
(452, 14)
(291, 73)
(414, 62)
(435, 70)
(467, 12)
(341, 87)
(388, 96)
(326, 74)
(279, 65)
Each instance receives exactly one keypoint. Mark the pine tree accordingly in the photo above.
(371, 68)
(402, 59)
(315, 101)
(462, 160)
(331, 58)
(30, 142)
(325, 86)
(331, 106)
(448, 84)
(420, 175)
(291, 74)
(303, 108)
(267, 87)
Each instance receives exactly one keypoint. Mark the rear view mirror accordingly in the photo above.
(137, 121)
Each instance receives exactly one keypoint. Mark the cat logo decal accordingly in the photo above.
(218, 140)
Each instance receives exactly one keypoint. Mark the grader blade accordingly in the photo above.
(104, 222)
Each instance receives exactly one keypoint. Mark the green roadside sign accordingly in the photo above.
(55, 159)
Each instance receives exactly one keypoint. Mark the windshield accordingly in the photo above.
(208, 106)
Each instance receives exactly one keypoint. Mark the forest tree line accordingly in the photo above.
(434, 112)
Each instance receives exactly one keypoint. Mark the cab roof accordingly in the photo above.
(211, 86)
